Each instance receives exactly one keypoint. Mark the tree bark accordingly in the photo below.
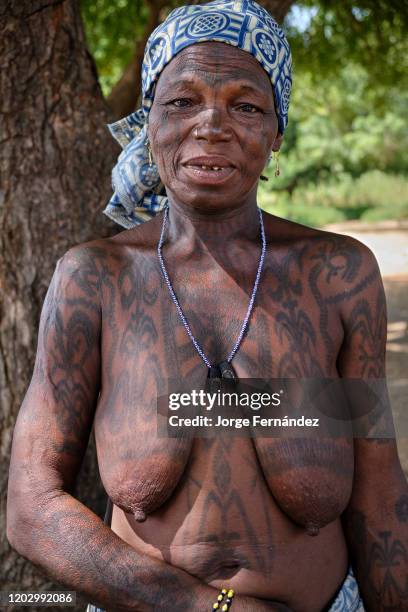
(277, 8)
(56, 157)
(123, 98)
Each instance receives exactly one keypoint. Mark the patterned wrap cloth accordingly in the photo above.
(138, 192)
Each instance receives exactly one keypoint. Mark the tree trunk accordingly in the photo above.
(56, 157)
(124, 95)
(277, 8)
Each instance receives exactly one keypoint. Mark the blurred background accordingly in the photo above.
(67, 68)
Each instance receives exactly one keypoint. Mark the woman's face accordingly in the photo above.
(212, 100)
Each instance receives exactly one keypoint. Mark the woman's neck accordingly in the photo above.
(194, 229)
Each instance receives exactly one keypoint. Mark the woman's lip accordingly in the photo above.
(208, 176)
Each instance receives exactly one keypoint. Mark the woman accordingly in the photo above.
(282, 522)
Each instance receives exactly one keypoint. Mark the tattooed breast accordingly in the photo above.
(310, 479)
(138, 469)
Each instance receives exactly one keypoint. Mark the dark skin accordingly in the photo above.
(192, 515)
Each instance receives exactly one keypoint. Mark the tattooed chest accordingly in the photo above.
(310, 480)
(144, 344)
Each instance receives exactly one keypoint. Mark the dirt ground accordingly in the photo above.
(389, 243)
(396, 290)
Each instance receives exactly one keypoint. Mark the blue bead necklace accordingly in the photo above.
(223, 369)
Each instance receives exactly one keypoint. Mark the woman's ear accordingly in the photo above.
(278, 142)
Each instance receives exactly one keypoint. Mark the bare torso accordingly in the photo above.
(227, 510)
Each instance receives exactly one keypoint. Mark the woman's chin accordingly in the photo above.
(209, 197)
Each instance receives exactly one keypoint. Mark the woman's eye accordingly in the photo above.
(252, 109)
(180, 102)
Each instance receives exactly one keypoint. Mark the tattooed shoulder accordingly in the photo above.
(83, 264)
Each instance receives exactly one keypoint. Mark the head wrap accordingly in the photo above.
(138, 192)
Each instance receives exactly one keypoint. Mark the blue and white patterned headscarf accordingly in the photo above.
(138, 192)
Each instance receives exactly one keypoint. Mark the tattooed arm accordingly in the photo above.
(45, 523)
(376, 520)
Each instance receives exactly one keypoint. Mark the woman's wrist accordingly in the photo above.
(206, 596)
(224, 600)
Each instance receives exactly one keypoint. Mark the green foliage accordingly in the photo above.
(342, 157)
(369, 33)
(112, 31)
(373, 196)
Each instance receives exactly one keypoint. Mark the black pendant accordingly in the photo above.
(214, 372)
(227, 371)
(222, 370)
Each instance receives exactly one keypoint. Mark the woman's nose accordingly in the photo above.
(212, 126)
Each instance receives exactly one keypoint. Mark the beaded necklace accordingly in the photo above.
(223, 369)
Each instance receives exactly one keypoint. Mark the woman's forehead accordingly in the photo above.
(218, 59)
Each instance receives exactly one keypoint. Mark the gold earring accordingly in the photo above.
(275, 156)
(149, 149)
